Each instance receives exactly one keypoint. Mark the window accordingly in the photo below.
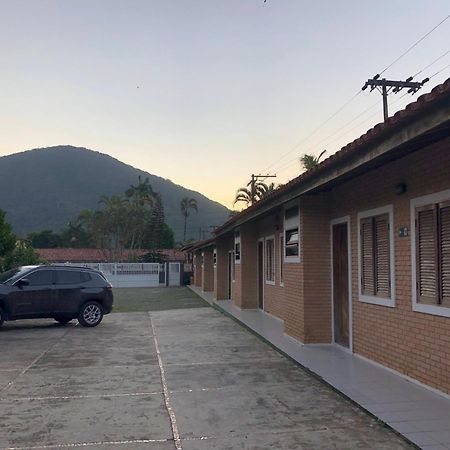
(431, 253)
(68, 277)
(270, 260)
(291, 233)
(40, 278)
(237, 247)
(376, 254)
(281, 259)
(215, 257)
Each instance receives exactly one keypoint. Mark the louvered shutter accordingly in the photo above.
(426, 255)
(382, 257)
(367, 257)
(444, 253)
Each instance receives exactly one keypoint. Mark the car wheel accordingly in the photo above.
(63, 320)
(2, 317)
(91, 314)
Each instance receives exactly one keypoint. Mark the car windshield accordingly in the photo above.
(11, 275)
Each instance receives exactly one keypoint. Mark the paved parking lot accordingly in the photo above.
(188, 378)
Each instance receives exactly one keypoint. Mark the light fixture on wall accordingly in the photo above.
(401, 188)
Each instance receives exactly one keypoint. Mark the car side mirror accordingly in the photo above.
(23, 282)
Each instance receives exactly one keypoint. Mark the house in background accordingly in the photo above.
(355, 252)
(119, 271)
(95, 255)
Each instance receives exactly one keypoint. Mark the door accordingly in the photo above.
(69, 290)
(260, 274)
(340, 284)
(174, 274)
(37, 298)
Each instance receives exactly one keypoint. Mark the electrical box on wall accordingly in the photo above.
(403, 231)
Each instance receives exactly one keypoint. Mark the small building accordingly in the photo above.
(355, 252)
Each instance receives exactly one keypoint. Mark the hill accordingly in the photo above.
(45, 188)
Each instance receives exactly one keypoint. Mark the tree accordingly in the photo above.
(310, 161)
(22, 255)
(75, 235)
(251, 196)
(185, 205)
(44, 239)
(7, 238)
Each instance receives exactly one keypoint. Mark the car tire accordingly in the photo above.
(63, 320)
(2, 317)
(91, 314)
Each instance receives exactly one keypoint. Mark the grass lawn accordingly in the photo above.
(155, 299)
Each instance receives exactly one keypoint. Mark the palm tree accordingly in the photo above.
(185, 205)
(310, 161)
(251, 196)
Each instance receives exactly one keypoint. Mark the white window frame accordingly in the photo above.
(289, 224)
(376, 300)
(266, 259)
(281, 258)
(436, 197)
(237, 240)
(203, 259)
(215, 257)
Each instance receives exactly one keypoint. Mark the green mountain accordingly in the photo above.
(45, 188)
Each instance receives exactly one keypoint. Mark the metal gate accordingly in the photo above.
(174, 274)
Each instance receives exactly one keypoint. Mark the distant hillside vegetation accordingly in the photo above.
(45, 188)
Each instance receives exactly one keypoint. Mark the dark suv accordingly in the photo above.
(60, 292)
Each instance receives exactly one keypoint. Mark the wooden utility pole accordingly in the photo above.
(384, 86)
(252, 183)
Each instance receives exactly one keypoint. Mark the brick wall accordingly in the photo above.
(208, 270)
(198, 268)
(412, 343)
(224, 246)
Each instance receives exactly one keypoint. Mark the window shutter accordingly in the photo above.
(382, 257)
(444, 252)
(426, 255)
(367, 257)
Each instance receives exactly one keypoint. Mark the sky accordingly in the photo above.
(207, 92)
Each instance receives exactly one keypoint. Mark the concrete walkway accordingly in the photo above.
(418, 413)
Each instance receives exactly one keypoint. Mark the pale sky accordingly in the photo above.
(206, 92)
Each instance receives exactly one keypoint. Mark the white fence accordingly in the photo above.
(138, 274)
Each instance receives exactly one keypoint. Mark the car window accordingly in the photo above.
(68, 277)
(85, 277)
(40, 278)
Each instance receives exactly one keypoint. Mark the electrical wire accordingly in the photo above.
(414, 45)
(313, 132)
(432, 63)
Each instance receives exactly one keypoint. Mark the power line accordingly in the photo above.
(414, 45)
(432, 63)
(359, 92)
(313, 132)
(439, 71)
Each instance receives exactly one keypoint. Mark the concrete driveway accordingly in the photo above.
(190, 379)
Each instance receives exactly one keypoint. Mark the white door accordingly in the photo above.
(174, 274)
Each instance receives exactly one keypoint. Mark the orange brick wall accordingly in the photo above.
(317, 270)
(208, 270)
(224, 246)
(198, 268)
(413, 343)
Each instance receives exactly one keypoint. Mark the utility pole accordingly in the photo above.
(253, 181)
(384, 86)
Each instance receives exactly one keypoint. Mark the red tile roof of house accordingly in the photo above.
(97, 255)
(439, 94)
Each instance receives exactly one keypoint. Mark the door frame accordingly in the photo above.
(338, 221)
(262, 282)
